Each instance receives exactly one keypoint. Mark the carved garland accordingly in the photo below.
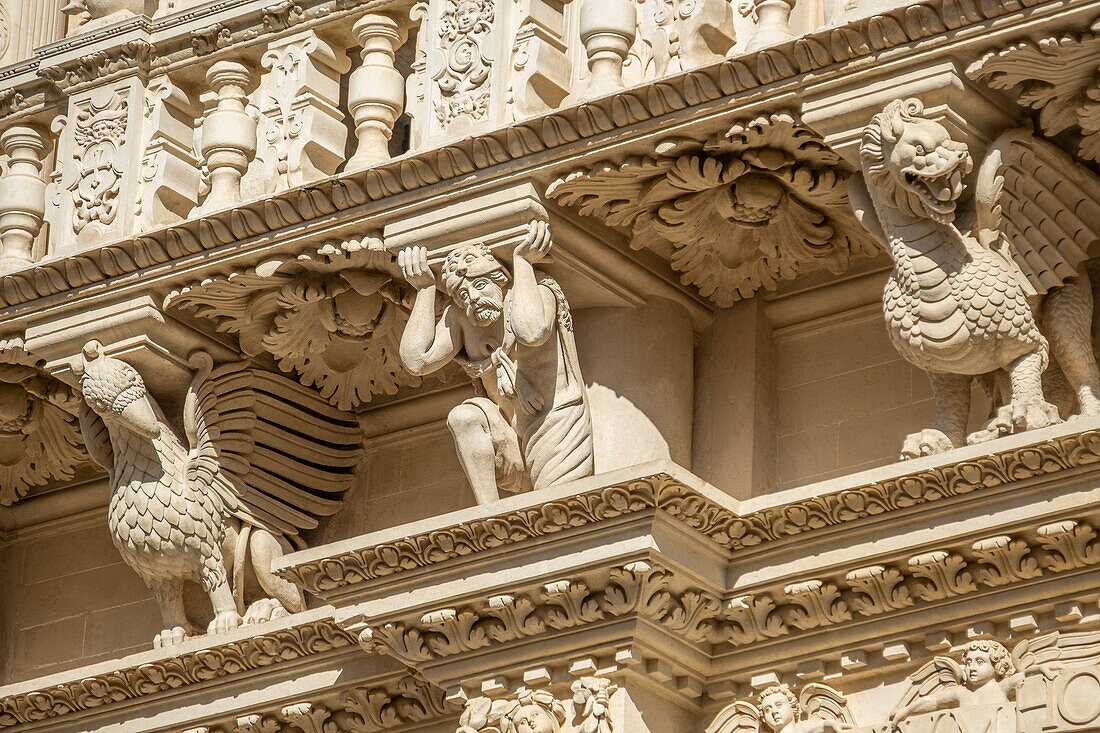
(818, 50)
(700, 617)
(257, 652)
(666, 493)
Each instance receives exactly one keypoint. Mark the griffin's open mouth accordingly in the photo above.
(938, 190)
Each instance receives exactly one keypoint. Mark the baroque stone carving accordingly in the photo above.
(376, 93)
(762, 203)
(539, 711)
(170, 179)
(464, 65)
(818, 51)
(720, 525)
(333, 315)
(22, 194)
(303, 130)
(956, 303)
(817, 709)
(1058, 76)
(227, 141)
(678, 35)
(237, 482)
(99, 132)
(529, 426)
(39, 437)
(178, 671)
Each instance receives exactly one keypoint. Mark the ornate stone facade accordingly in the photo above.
(541, 366)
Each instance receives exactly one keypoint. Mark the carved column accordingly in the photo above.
(303, 125)
(376, 92)
(22, 194)
(228, 133)
(608, 29)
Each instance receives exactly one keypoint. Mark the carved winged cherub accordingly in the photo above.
(818, 709)
(263, 458)
(966, 300)
(532, 711)
(988, 676)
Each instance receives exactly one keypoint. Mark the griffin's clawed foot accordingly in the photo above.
(927, 442)
(224, 621)
(170, 637)
(1017, 417)
(262, 610)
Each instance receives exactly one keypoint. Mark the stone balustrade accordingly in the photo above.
(162, 118)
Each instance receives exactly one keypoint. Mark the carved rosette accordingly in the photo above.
(1059, 76)
(765, 202)
(333, 315)
(40, 440)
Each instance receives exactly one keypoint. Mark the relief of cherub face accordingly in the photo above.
(534, 719)
(467, 15)
(979, 667)
(777, 711)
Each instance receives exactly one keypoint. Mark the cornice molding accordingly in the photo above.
(194, 666)
(814, 52)
(722, 525)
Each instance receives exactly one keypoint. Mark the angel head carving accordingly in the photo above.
(818, 709)
(915, 160)
(116, 392)
(985, 660)
(531, 711)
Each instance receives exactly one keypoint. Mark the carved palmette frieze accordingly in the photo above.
(333, 315)
(813, 52)
(175, 672)
(761, 203)
(40, 439)
(1059, 76)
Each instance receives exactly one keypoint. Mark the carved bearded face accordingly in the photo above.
(482, 298)
(777, 711)
(534, 719)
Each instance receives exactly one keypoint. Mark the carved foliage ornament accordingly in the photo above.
(333, 315)
(99, 133)
(1059, 76)
(39, 438)
(828, 49)
(760, 204)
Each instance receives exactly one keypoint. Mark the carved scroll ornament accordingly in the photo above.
(745, 210)
(333, 315)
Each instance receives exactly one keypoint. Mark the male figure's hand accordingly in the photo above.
(536, 245)
(414, 266)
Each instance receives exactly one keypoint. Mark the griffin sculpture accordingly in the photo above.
(260, 458)
(983, 297)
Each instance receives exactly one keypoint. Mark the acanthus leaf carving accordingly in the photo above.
(1004, 560)
(333, 315)
(762, 203)
(815, 603)
(878, 589)
(752, 618)
(1070, 544)
(939, 575)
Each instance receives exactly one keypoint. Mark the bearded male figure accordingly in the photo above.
(530, 425)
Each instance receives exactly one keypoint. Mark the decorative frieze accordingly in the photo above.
(810, 53)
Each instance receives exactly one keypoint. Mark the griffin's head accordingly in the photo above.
(116, 392)
(914, 161)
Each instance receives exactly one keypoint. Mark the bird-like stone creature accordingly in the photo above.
(995, 295)
(263, 458)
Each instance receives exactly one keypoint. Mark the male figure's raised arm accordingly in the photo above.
(534, 309)
(426, 346)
